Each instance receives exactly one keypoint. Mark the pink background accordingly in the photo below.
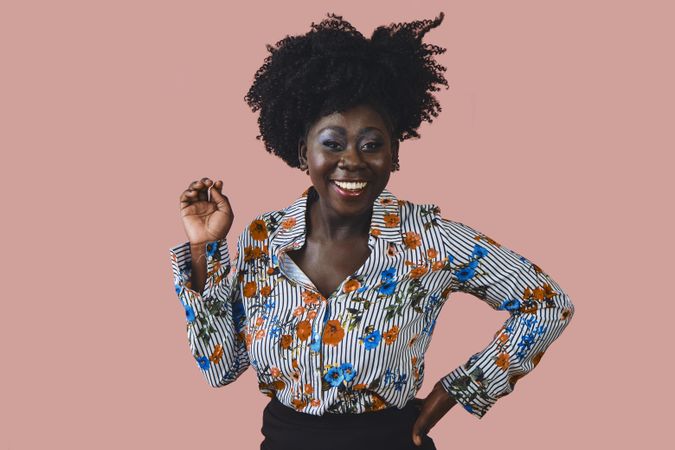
(553, 140)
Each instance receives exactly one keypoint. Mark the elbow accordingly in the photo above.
(565, 307)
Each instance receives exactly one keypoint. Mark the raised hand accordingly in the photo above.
(206, 212)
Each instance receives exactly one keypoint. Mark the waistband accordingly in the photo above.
(371, 419)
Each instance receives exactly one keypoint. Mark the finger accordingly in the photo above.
(203, 185)
(187, 197)
(222, 202)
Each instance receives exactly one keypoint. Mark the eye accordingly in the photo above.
(373, 146)
(331, 144)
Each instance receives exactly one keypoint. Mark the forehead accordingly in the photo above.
(353, 120)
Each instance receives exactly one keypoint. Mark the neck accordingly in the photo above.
(326, 225)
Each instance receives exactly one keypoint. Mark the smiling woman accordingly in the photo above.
(333, 300)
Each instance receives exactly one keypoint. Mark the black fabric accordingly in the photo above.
(284, 428)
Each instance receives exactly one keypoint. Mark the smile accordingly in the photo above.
(349, 188)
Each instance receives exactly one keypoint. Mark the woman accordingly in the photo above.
(333, 299)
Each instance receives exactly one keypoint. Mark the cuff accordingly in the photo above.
(468, 390)
(217, 267)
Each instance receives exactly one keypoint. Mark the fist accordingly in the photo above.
(206, 212)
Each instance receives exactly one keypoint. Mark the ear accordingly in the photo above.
(302, 153)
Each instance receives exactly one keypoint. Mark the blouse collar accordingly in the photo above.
(385, 223)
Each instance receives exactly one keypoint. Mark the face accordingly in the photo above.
(349, 157)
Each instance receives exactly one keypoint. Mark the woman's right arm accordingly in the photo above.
(210, 295)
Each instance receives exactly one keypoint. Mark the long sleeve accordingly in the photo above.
(538, 311)
(216, 317)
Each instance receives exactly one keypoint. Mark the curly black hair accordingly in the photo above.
(334, 67)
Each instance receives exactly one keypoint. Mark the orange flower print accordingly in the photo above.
(258, 230)
(299, 403)
(260, 334)
(391, 220)
(390, 335)
(250, 289)
(315, 402)
(378, 403)
(412, 239)
(217, 354)
(288, 223)
(391, 249)
(308, 388)
(565, 313)
(503, 361)
(351, 285)
(286, 341)
(278, 384)
(446, 292)
(251, 253)
(418, 271)
(259, 321)
(303, 330)
(300, 310)
(548, 291)
(413, 340)
(265, 290)
(359, 387)
(375, 232)
(311, 314)
(432, 253)
(249, 338)
(437, 265)
(333, 333)
(275, 372)
(310, 297)
(503, 338)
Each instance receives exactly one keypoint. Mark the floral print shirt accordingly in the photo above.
(362, 348)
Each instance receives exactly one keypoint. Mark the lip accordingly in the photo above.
(346, 194)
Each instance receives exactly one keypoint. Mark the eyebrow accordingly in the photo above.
(343, 132)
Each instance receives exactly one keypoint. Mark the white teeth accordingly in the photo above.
(354, 186)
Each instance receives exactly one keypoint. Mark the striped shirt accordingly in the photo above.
(362, 348)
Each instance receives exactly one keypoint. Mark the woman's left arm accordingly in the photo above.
(539, 310)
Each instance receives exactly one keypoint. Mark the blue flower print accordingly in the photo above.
(362, 288)
(371, 340)
(204, 362)
(211, 248)
(189, 313)
(510, 304)
(450, 258)
(465, 273)
(479, 251)
(388, 274)
(334, 376)
(348, 371)
(315, 344)
(387, 288)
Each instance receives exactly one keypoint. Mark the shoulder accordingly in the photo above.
(428, 221)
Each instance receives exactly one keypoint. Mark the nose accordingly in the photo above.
(351, 158)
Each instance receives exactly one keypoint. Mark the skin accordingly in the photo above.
(352, 144)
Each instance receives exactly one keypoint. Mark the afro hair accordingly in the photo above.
(334, 67)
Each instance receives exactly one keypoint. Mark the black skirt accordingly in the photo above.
(285, 428)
